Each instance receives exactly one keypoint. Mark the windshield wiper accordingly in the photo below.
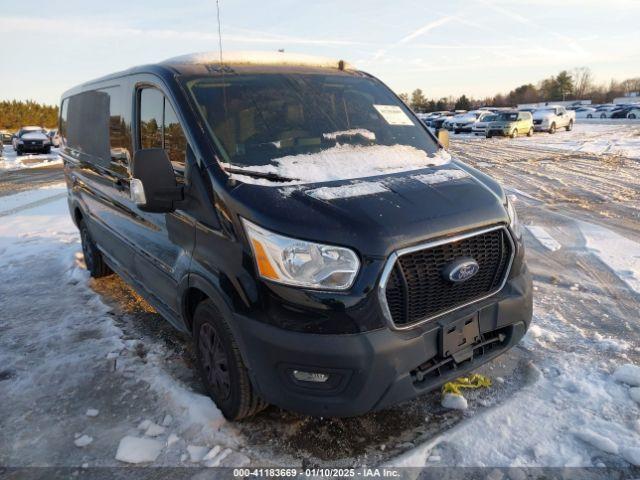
(266, 175)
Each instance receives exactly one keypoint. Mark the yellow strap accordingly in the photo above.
(474, 381)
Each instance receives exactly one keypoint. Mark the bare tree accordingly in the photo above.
(582, 82)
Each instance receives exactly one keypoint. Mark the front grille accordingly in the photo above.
(416, 289)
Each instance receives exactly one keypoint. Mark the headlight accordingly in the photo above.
(20, 141)
(514, 223)
(297, 262)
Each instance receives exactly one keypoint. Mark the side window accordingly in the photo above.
(159, 127)
(62, 124)
(175, 143)
(87, 127)
(119, 133)
(151, 113)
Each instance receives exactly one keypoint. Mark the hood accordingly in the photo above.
(34, 136)
(539, 115)
(377, 215)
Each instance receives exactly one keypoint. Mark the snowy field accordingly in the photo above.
(91, 376)
(10, 161)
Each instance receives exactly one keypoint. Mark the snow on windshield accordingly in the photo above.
(343, 162)
(368, 134)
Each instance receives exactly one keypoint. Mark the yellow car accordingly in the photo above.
(511, 124)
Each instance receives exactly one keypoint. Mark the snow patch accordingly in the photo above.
(368, 134)
(619, 253)
(196, 452)
(92, 412)
(154, 430)
(343, 162)
(83, 441)
(629, 374)
(545, 239)
(631, 455)
(440, 176)
(598, 441)
(138, 450)
(347, 191)
(454, 402)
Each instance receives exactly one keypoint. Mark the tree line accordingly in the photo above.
(577, 84)
(15, 114)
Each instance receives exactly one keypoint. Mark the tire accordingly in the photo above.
(552, 128)
(18, 152)
(589, 116)
(570, 126)
(530, 132)
(603, 115)
(632, 116)
(93, 259)
(47, 150)
(221, 366)
(514, 134)
(488, 135)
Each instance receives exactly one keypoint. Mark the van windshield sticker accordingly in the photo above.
(393, 115)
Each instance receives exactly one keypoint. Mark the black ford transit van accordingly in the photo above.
(324, 251)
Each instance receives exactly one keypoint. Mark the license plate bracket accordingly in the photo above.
(458, 337)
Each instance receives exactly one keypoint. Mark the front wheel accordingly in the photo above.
(603, 115)
(632, 116)
(589, 116)
(221, 366)
(93, 258)
(552, 128)
(514, 134)
(530, 132)
(570, 126)
(488, 135)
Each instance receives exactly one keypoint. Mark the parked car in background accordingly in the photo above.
(553, 117)
(604, 111)
(621, 112)
(437, 122)
(284, 304)
(466, 121)
(5, 137)
(511, 124)
(584, 112)
(54, 137)
(32, 140)
(634, 113)
(480, 127)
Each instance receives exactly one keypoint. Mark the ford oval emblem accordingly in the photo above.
(461, 270)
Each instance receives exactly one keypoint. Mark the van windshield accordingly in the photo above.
(257, 118)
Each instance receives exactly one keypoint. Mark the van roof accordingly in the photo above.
(209, 62)
(258, 58)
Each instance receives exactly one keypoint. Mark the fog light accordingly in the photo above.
(314, 377)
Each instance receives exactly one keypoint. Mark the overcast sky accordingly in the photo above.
(477, 47)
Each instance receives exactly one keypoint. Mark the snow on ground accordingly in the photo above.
(83, 382)
(9, 160)
(590, 137)
(544, 238)
(620, 254)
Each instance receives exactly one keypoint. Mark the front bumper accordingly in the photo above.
(498, 132)
(377, 369)
(33, 148)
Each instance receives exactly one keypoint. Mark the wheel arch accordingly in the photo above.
(195, 289)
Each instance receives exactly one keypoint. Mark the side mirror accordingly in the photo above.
(153, 186)
(443, 138)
